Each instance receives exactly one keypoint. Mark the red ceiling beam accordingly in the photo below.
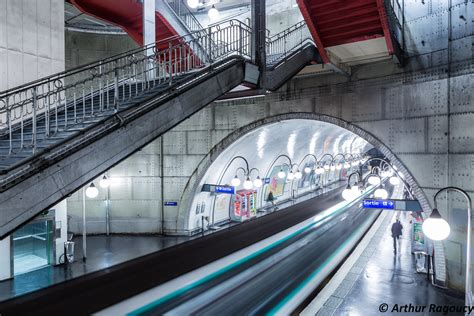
(305, 11)
(385, 26)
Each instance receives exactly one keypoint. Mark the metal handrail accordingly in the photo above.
(89, 93)
(287, 41)
(183, 12)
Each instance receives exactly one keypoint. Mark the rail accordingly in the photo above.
(286, 42)
(186, 16)
(49, 107)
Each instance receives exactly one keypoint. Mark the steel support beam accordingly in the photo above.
(259, 36)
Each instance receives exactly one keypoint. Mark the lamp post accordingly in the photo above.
(91, 192)
(105, 184)
(248, 184)
(396, 177)
(349, 192)
(436, 228)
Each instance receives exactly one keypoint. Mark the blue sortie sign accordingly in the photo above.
(228, 190)
(386, 204)
(171, 203)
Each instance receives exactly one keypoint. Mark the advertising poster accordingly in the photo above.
(418, 239)
(276, 185)
(253, 203)
(222, 203)
(307, 177)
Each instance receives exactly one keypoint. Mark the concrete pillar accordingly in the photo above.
(60, 216)
(149, 23)
(5, 259)
(258, 33)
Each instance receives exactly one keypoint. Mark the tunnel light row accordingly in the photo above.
(319, 169)
(374, 178)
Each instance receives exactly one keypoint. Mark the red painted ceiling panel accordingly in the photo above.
(126, 14)
(336, 22)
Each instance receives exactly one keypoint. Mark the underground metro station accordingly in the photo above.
(236, 157)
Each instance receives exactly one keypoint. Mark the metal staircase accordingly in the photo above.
(59, 132)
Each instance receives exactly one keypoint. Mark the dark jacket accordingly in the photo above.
(397, 229)
(270, 197)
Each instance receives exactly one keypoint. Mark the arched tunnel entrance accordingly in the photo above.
(268, 146)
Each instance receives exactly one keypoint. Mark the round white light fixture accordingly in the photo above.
(248, 184)
(235, 182)
(291, 175)
(348, 194)
(347, 165)
(326, 167)
(373, 180)
(258, 182)
(193, 4)
(381, 193)
(354, 163)
(435, 227)
(281, 174)
(356, 190)
(394, 180)
(307, 170)
(332, 167)
(298, 174)
(92, 191)
(339, 166)
(319, 170)
(104, 182)
(213, 13)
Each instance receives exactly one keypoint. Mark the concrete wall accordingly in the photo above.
(31, 40)
(84, 48)
(5, 259)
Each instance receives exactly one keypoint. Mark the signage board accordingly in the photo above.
(267, 180)
(171, 203)
(224, 189)
(393, 204)
(218, 188)
(372, 203)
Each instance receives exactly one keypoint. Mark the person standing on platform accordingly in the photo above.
(396, 233)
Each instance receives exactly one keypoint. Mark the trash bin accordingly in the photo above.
(69, 251)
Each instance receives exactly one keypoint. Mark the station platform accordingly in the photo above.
(374, 279)
(104, 252)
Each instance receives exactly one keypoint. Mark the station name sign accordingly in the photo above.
(225, 189)
(394, 204)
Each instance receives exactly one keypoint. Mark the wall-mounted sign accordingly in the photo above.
(228, 190)
(218, 188)
(399, 205)
(385, 204)
(171, 203)
(267, 180)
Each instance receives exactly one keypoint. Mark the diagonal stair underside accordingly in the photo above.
(76, 125)
(106, 144)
